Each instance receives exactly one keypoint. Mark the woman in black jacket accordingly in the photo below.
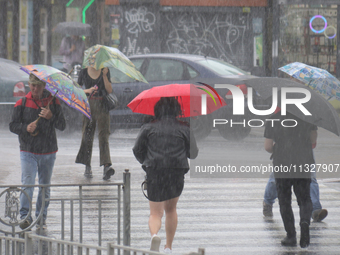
(163, 147)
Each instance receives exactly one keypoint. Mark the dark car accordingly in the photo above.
(162, 69)
(13, 85)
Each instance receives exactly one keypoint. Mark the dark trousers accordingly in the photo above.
(101, 117)
(301, 189)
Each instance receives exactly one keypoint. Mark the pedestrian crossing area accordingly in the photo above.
(221, 215)
(226, 217)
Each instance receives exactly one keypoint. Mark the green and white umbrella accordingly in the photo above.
(100, 56)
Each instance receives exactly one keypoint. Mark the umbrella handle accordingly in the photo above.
(69, 73)
(36, 132)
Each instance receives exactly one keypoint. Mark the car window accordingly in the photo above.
(221, 67)
(164, 70)
(12, 71)
(118, 76)
(137, 62)
(192, 72)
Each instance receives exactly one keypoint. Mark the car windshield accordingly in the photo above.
(9, 71)
(221, 67)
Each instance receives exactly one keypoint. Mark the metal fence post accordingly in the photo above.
(126, 208)
(110, 250)
(28, 244)
(80, 213)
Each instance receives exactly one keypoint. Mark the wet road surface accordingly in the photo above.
(222, 215)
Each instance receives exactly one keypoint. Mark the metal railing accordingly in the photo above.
(40, 245)
(69, 200)
(11, 245)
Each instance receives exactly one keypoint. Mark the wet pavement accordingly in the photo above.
(222, 215)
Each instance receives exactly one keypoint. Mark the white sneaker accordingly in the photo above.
(167, 251)
(155, 243)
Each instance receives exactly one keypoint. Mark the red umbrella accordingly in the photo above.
(194, 100)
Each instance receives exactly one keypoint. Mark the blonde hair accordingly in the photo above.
(35, 80)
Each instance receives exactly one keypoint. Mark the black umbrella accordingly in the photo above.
(73, 28)
(323, 113)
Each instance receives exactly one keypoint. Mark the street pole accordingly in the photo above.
(3, 29)
(276, 37)
(36, 32)
(338, 43)
(15, 30)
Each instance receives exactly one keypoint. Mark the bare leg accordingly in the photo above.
(170, 220)
(156, 214)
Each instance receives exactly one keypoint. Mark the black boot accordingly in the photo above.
(304, 239)
(289, 241)
(108, 172)
(88, 172)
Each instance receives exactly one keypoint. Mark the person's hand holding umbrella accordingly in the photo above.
(107, 83)
(32, 127)
(105, 71)
(45, 113)
(92, 90)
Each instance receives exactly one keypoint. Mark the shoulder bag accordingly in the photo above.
(110, 101)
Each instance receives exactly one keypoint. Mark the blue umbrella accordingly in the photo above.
(316, 78)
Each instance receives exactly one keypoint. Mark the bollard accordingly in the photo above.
(126, 207)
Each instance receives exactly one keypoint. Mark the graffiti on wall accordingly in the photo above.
(139, 22)
(217, 35)
(133, 49)
(227, 36)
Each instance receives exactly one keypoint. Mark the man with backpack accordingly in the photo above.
(34, 120)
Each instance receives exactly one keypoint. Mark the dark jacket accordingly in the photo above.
(293, 147)
(165, 143)
(46, 140)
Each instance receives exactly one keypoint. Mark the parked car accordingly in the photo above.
(162, 69)
(13, 86)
